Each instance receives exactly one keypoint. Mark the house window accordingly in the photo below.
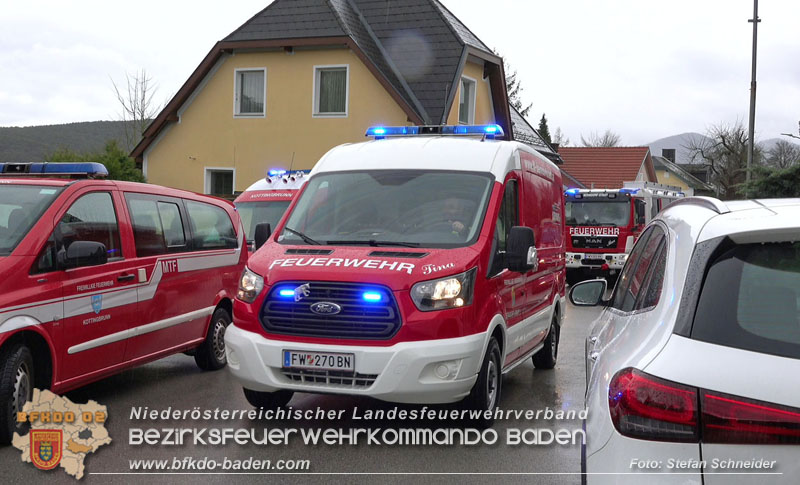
(331, 85)
(250, 92)
(466, 102)
(220, 181)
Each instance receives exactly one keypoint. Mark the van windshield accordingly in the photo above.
(254, 213)
(390, 208)
(597, 213)
(20, 207)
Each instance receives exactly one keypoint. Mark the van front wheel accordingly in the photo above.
(211, 353)
(485, 394)
(16, 388)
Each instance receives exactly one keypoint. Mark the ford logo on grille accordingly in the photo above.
(325, 308)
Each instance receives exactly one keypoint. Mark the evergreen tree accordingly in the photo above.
(120, 166)
(544, 131)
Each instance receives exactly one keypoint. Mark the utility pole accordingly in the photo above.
(752, 129)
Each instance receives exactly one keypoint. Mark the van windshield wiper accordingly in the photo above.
(302, 236)
(375, 242)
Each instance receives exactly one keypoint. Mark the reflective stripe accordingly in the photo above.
(141, 330)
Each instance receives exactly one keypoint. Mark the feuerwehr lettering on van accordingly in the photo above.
(378, 264)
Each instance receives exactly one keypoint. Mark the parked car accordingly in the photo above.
(266, 200)
(99, 276)
(693, 364)
(416, 268)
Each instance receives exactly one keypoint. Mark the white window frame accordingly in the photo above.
(315, 92)
(237, 90)
(207, 178)
(471, 114)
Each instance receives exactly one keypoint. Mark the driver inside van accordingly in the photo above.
(456, 213)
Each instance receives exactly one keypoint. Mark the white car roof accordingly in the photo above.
(457, 153)
(743, 220)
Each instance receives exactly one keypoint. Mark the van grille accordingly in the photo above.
(331, 378)
(358, 319)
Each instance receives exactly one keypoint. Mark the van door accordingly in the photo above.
(169, 298)
(99, 301)
(510, 286)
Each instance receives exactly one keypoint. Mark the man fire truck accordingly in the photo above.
(603, 224)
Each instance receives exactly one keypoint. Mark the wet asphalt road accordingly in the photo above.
(177, 382)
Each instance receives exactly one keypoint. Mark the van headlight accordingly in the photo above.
(450, 292)
(250, 285)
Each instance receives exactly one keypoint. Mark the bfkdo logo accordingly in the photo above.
(46, 446)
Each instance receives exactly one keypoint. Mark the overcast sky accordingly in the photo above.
(643, 69)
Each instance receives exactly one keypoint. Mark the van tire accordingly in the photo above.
(485, 394)
(268, 400)
(210, 355)
(546, 357)
(16, 383)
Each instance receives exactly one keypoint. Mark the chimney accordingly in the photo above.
(669, 154)
(555, 146)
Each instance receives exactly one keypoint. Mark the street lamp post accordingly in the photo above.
(752, 128)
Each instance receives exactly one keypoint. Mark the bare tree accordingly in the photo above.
(783, 155)
(724, 151)
(793, 136)
(137, 106)
(607, 139)
(560, 138)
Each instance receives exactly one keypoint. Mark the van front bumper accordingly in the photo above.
(596, 260)
(407, 372)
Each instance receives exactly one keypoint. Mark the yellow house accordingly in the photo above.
(670, 173)
(301, 77)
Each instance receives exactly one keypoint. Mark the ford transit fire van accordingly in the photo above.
(417, 268)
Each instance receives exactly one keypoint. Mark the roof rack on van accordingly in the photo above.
(710, 203)
(487, 131)
(69, 170)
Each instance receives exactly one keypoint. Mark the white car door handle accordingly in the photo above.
(594, 355)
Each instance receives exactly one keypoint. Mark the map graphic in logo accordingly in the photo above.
(62, 432)
(97, 303)
(46, 447)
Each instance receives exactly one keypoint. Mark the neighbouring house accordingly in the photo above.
(670, 173)
(302, 76)
(607, 167)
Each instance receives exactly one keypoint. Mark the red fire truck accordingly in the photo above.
(603, 224)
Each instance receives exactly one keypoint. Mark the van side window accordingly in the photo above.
(91, 218)
(211, 226)
(639, 211)
(157, 225)
(506, 219)
(46, 261)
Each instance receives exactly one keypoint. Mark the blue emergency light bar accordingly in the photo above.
(489, 131)
(572, 191)
(78, 169)
(629, 191)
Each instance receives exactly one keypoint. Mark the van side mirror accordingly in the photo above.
(263, 231)
(521, 250)
(84, 253)
(588, 293)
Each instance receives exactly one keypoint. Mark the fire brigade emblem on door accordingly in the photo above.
(97, 303)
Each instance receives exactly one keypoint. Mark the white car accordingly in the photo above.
(693, 366)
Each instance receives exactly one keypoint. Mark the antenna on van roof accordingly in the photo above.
(291, 162)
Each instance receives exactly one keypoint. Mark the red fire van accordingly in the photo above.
(417, 268)
(267, 200)
(101, 275)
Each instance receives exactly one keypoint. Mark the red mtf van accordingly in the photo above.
(102, 275)
(417, 268)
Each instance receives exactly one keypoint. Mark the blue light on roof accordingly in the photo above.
(371, 296)
(489, 131)
(286, 293)
(92, 169)
(572, 191)
(629, 191)
(275, 172)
